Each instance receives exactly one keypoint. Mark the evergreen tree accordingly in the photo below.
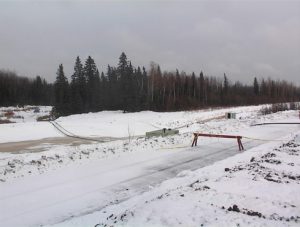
(61, 89)
(97, 86)
(91, 72)
(38, 91)
(104, 98)
(224, 97)
(263, 88)
(193, 88)
(255, 87)
(201, 89)
(125, 72)
(144, 88)
(77, 88)
(225, 85)
(140, 93)
(114, 93)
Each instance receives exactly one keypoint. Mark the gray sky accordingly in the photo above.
(240, 38)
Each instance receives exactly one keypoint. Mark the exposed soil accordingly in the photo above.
(42, 144)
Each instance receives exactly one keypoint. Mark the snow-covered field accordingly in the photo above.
(114, 123)
(84, 185)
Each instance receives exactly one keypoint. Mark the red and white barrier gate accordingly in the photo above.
(196, 135)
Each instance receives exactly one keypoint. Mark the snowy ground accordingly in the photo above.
(114, 123)
(106, 123)
(62, 182)
(259, 187)
(24, 114)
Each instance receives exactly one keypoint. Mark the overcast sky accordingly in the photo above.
(240, 38)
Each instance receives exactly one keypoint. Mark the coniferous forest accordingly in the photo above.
(16, 90)
(129, 88)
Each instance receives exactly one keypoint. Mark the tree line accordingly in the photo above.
(17, 90)
(129, 88)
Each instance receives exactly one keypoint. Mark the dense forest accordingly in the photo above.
(16, 90)
(128, 88)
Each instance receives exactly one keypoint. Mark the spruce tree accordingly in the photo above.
(104, 98)
(90, 72)
(61, 91)
(37, 91)
(225, 85)
(201, 89)
(113, 89)
(125, 71)
(77, 88)
(255, 87)
(96, 92)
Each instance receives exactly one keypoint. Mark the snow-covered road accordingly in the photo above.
(51, 198)
(84, 188)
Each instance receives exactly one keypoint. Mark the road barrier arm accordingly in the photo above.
(238, 138)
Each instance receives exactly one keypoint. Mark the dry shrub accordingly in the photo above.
(9, 114)
(44, 118)
(6, 121)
